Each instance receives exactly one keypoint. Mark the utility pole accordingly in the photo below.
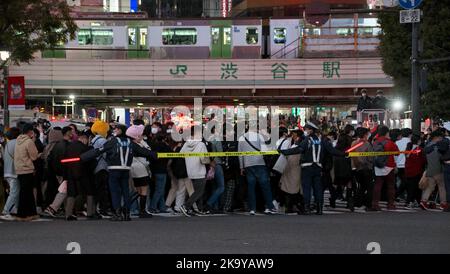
(415, 95)
(5, 97)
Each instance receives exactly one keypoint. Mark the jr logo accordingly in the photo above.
(180, 69)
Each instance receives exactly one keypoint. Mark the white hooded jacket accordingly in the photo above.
(195, 165)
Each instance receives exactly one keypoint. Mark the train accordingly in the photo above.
(246, 38)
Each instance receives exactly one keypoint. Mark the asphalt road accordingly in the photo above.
(396, 232)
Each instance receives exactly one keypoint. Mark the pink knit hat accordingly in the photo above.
(135, 131)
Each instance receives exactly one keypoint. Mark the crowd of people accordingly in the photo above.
(113, 171)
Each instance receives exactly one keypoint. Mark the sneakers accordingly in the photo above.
(185, 211)
(144, 215)
(71, 218)
(276, 205)
(252, 212)
(270, 211)
(410, 206)
(50, 211)
(95, 216)
(423, 205)
(7, 217)
(443, 206)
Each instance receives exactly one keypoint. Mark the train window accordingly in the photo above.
(132, 37)
(345, 31)
(227, 36)
(215, 35)
(185, 36)
(311, 31)
(279, 35)
(84, 37)
(102, 36)
(252, 36)
(142, 37)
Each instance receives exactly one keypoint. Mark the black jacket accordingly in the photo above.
(444, 149)
(113, 158)
(379, 102)
(364, 103)
(56, 155)
(160, 165)
(76, 170)
(308, 146)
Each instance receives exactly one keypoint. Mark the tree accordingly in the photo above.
(436, 44)
(27, 26)
(395, 49)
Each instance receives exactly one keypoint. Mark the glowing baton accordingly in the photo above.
(70, 160)
(354, 147)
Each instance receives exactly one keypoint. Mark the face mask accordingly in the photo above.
(169, 130)
(154, 130)
(306, 133)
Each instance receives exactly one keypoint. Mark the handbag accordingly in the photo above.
(423, 183)
(210, 174)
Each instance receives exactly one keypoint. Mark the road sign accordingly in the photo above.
(409, 4)
(410, 16)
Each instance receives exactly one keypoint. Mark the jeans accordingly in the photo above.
(447, 181)
(213, 201)
(118, 184)
(364, 178)
(101, 190)
(312, 178)
(260, 174)
(402, 187)
(157, 201)
(199, 190)
(13, 198)
(184, 184)
(389, 181)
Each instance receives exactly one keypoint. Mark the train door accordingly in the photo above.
(221, 46)
(137, 42)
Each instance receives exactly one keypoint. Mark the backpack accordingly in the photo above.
(380, 161)
(179, 167)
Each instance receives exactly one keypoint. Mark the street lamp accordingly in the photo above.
(4, 57)
(397, 105)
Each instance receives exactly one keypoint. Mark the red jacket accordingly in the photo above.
(389, 146)
(415, 164)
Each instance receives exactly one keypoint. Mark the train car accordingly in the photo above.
(285, 38)
(179, 39)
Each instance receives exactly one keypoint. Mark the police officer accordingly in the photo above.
(312, 148)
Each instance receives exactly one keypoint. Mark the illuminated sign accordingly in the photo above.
(226, 7)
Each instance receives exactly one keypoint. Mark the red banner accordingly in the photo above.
(16, 93)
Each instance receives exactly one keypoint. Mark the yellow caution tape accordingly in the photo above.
(272, 152)
(380, 153)
(215, 154)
